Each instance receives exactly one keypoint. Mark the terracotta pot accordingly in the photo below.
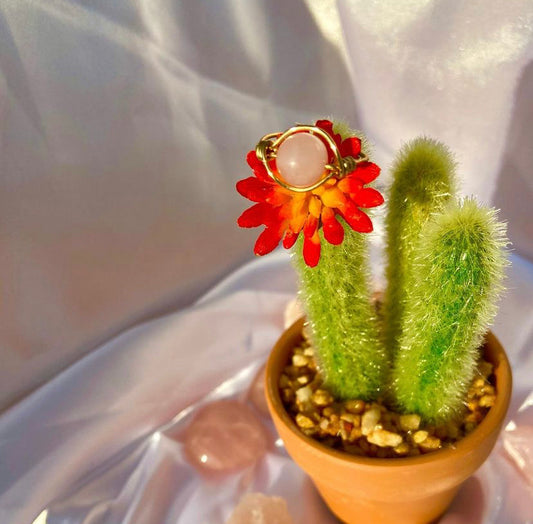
(412, 490)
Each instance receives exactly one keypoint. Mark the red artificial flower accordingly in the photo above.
(287, 213)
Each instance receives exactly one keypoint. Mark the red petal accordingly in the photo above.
(258, 215)
(368, 197)
(257, 166)
(311, 250)
(267, 241)
(350, 146)
(327, 126)
(366, 172)
(333, 230)
(350, 184)
(310, 227)
(357, 220)
(289, 239)
(254, 189)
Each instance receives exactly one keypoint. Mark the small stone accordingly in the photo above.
(487, 401)
(384, 438)
(355, 433)
(410, 422)
(351, 418)
(304, 422)
(488, 389)
(299, 361)
(402, 449)
(303, 380)
(321, 397)
(345, 429)
(370, 419)
(256, 508)
(472, 404)
(304, 395)
(430, 443)
(327, 412)
(355, 406)
(224, 437)
(479, 382)
(420, 436)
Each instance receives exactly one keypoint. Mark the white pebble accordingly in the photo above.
(370, 419)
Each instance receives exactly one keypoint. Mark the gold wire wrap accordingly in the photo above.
(267, 149)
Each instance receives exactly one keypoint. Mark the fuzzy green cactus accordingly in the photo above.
(337, 299)
(449, 302)
(423, 183)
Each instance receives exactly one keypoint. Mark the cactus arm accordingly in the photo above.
(459, 263)
(423, 182)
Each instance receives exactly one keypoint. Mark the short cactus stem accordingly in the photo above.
(337, 299)
(459, 262)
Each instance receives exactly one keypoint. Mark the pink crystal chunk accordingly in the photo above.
(224, 437)
(256, 508)
(301, 159)
(256, 394)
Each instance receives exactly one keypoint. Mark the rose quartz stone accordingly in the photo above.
(256, 393)
(256, 508)
(224, 437)
(301, 159)
(518, 444)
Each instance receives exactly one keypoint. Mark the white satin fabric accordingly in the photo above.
(96, 445)
(124, 125)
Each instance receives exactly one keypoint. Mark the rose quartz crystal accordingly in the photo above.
(301, 159)
(256, 394)
(224, 437)
(256, 508)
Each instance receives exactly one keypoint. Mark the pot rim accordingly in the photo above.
(496, 414)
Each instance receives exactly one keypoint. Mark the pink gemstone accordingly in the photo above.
(301, 159)
(224, 437)
(256, 508)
